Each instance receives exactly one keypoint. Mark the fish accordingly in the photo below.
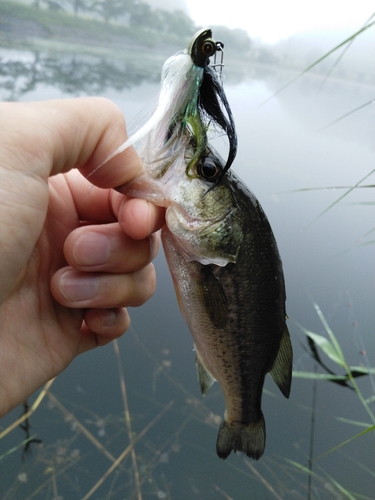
(219, 245)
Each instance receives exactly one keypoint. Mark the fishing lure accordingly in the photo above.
(191, 100)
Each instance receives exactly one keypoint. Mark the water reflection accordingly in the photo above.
(71, 74)
(23, 72)
(82, 423)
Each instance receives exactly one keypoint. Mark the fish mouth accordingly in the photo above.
(146, 188)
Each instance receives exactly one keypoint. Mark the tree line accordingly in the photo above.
(132, 13)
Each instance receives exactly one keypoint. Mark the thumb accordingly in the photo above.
(47, 138)
(51, 137)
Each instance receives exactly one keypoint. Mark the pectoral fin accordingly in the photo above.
(213, 297)
(281, 371)
(204, 376)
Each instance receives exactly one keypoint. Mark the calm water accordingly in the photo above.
(326, 260)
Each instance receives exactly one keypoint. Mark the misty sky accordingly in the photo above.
(272, 20)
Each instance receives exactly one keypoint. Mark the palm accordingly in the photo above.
(40, 336)
(68, 268)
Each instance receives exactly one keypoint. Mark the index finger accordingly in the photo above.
(62, 134)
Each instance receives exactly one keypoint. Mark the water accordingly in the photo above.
(326, 259)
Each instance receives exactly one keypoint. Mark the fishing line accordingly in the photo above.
(218, 66)
(312, 434)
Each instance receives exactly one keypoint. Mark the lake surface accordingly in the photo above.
(327, 259)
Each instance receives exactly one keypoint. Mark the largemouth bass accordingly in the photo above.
(219, 246)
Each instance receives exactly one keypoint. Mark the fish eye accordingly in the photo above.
(208, 47)
(209, 169)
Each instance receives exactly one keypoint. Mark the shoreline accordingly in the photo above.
(24, 27)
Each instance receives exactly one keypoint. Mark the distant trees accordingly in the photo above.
(235, 39)
(175, 22)
(74, 5)
(131, 12)
(139, 13)
(110, 9)
(78, 5)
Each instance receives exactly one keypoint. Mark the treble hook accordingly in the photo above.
(219, 65)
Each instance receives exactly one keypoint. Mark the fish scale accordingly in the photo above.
(219, 246)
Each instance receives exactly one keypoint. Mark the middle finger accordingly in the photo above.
(106, 248)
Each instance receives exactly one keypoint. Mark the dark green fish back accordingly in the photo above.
(253, 311)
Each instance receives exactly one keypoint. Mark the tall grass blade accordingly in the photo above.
(342, 55)
(347, 114)
(354, 35)
(263, 480)
(303, 468)
(337, 347)
(127, 419)
(326, 188)
(335, 343)
(53, 478)
(370, 428)
(222, 492)
(70, 417)
(319, 376)
(34, 406)
(342, 196)
(126, 452)
(342, 490)
(15, 448)
(352, 422)
(326, 346)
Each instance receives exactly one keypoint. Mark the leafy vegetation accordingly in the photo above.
(99, 26)
(330, 347)
(137, 22)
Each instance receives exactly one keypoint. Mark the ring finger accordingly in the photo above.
(81, 290)
(106, 248)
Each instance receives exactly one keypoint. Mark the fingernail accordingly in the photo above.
(77, 288)
(154, 244)
(108, 317)
(92, 249)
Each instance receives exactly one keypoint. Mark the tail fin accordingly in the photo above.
(250, 439)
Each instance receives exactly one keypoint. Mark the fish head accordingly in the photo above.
(202, 213)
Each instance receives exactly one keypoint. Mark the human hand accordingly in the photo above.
(73, 253)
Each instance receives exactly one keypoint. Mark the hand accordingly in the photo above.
(73, 252)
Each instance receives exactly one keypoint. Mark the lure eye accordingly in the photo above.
(201, 47)
(209, 169)
(208, 48)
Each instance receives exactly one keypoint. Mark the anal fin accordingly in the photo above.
(281, 371)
